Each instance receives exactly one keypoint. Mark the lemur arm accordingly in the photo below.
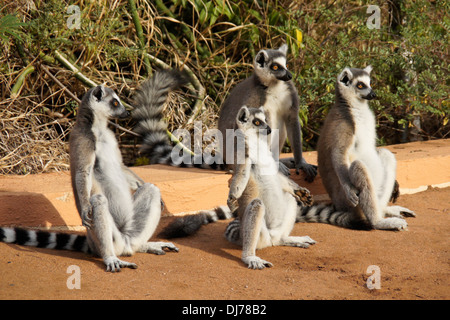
(341, 165)
(238, 183)
(84, 182)
(294, 133)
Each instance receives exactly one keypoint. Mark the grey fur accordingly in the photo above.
(150, 123)
(119, 210)
(148, 113)
(274, 90)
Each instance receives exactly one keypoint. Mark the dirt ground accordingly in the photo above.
(412, 264)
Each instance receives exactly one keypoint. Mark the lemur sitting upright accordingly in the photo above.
(118, 222)
(265, 199)
(359, 178)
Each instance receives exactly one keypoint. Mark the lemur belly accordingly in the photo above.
(271, 195)
(278, 100)
(364, 145)
(113, 180)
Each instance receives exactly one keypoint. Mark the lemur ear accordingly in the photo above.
(368, 69)
(283, 48)
(346, 76)
(98, 93)
(243, 114)
(261, 58)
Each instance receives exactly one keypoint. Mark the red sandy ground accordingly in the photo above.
(413, 264)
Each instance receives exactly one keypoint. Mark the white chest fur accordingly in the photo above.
(108, 156)
(364, 146)
(365, 133)
(278, 101)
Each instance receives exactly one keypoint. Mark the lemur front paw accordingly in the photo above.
(232, 203)
(309, 169)
(352, 195)
(86, 217)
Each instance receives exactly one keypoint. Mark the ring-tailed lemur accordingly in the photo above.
(270, 86)
(150, 123)
(118, 221)
(265, 199)
(359, 178)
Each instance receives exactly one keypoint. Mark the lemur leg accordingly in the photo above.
(147, 212)
(389, 165)
(280, 236)
(254, 235)
(385, 190)
(368, 200)
(107, 239)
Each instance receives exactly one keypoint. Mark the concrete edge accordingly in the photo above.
(46, 201)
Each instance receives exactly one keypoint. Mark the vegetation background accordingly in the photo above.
(53, 51)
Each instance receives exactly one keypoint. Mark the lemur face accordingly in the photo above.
(270, 65)
(354, 82)
(105, 101)
(253, 120)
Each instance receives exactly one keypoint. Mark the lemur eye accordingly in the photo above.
(257, 123)
(360, 85)
(274, 67)
(115, 103)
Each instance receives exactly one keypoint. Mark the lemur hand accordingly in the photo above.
(232, 203)
(351, 193)
(309, 169)
(86, 216)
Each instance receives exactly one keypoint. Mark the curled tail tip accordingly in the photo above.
(182, 227)
(166, 78)
(189, 224)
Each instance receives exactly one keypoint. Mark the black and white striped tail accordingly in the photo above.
(150, 123)
(233, 231)
(189, 224)
(44, 239)
(325, 213)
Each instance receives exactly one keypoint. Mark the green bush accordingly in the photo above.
(217, 41)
